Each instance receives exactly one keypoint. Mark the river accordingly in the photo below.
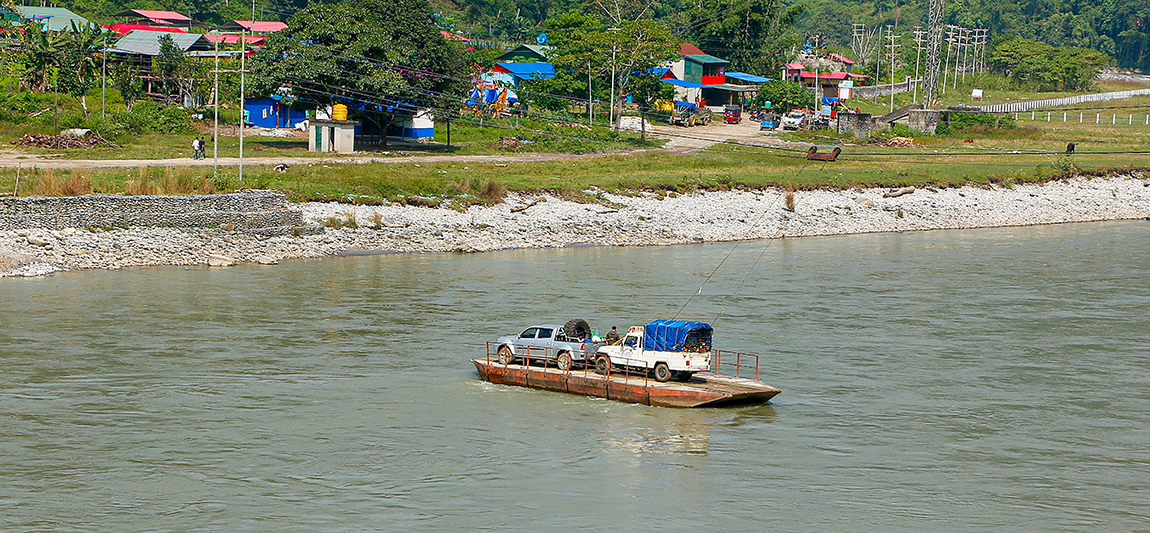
(978, 380)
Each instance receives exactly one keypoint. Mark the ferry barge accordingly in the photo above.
(637, 369)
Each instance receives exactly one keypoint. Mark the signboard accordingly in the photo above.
(977, 93)
(847, 84)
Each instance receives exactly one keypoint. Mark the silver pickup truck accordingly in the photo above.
(565, 344)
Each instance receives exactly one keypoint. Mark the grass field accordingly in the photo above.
(1030, 151)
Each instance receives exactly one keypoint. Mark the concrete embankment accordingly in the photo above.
(527, 221)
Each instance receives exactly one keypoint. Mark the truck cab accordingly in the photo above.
(668, 348)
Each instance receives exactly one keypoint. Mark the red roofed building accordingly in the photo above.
(149, 17)
(258, 26)
(123, 28)
(847, 63)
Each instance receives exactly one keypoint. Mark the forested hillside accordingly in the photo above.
(1119, 28)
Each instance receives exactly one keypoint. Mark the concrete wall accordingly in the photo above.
(883, 90)
(923, 120)
(247, 211)
(860, 124)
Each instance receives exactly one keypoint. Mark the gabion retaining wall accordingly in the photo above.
(247, 211)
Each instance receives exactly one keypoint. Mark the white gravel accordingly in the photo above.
(640, 220)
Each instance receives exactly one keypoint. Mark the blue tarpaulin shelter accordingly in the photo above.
(677, 336)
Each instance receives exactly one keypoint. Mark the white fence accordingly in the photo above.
(1081, 117)
(1057, 102)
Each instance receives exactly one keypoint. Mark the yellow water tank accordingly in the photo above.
(339, 112)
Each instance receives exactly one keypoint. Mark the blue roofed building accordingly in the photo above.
(514, 74)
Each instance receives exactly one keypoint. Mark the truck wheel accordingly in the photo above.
(662, 373)
(564, 361)
(577, 329)
(505, 355)
(602, 364)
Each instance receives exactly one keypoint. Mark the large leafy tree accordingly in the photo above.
(1050, 67)
(626, 51)
(385, 56)
(754, 36)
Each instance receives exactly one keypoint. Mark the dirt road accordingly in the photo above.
(680, 141)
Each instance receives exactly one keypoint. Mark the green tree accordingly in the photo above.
(386, 56)
(79, 60)
(1051, 68)
(754, 36)
(784, 96)
(126, 79)
(170, 66)
(40, 53)
(627, 52)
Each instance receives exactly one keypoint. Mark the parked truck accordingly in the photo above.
(667, 348)
(565, 344)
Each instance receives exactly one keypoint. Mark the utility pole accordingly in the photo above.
(611, 114)
(590, 121)
(216, 108)
(890, 35)
(919, 41)
(945, 65)
(957, 56)
(103, 75)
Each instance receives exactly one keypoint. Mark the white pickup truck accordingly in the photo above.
(671, 348)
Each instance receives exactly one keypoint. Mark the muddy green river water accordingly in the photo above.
(982, 380)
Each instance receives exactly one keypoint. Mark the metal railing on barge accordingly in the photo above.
(549, 358)
(741, 363)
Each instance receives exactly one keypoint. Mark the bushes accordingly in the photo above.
(975, 123)
(146, 117)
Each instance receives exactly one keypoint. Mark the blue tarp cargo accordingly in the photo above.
(677, 336)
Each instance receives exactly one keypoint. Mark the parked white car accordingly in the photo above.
(793, 120)
(670, 348)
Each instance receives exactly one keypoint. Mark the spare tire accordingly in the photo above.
(577, 329)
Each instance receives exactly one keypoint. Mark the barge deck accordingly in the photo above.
(704, 389)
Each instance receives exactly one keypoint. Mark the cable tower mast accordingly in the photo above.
(934, 40)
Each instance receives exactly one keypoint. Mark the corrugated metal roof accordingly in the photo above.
(749, 78)
(147, 43)
(170, 16)
(262, 26)
(688, 84)
(530, 71)
(57, 18)
(705, 58)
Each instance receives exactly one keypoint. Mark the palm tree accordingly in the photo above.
(79, 63)
(40, 51)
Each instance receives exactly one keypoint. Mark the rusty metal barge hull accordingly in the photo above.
(703, 390)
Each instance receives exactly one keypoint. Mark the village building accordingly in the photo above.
(139, 47)
(699, 77)
(525, 53)
(514, 74)
(149, 17)
(50, 18)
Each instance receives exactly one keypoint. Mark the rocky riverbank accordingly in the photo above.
(526, 221)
